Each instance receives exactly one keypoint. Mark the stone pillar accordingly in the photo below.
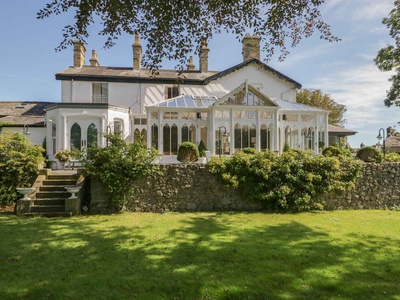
(251, 47)
(79, 54)
(137, 52)
(94, 60)
(204, 58)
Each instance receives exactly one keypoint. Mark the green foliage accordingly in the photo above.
(370, 154)
(388, 58)
(118, 165)
(19, 165)
(335, 151)
(202, 149)
(322, 100)
(188, 152)
(293, 181)
(286, 148)
(392, 157)
(249, 150)
(172, 29)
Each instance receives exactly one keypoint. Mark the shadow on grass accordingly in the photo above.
(205, 257)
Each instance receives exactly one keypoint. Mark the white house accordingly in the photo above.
(247, 105)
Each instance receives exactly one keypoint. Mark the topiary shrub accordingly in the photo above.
(370, 154)
(332, 151)
(202, 149)
(249, 150)
(188, 152)
(19, 165)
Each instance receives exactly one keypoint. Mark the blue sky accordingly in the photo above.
(345, 70)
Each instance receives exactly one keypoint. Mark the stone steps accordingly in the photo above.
(49, 200)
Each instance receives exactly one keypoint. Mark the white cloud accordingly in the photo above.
(372, 10)
(362, 89)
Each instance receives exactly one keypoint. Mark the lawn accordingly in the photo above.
(323, 255)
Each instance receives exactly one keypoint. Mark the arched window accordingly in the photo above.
(174, 139)
(252, 136)
(75, 137)
(136, 135)
(166, 139)
(192, 134)
(238, 137)
(264, 138)
(203, 135)
(91, 135)
(185, 133)
(143, 134)
(154, 136)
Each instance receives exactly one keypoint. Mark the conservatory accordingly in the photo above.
(243, 118)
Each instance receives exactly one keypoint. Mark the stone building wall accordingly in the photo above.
(184, 187)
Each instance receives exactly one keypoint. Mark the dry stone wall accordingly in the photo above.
(377, 188)
(183, 187)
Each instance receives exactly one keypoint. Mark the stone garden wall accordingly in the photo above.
(184, 187)
(378, 187)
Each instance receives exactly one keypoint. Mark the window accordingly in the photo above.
(171, 91)
(140, 121)
(100, 92)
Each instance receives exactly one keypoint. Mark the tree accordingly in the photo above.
(388, 58)
(175, 28)
(319, 99)
(19, 165)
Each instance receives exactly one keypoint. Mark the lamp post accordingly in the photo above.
(380, 137)
(220, 140)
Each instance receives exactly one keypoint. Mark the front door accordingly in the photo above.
(83, 132)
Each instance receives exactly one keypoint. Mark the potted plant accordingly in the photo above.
(63, 156)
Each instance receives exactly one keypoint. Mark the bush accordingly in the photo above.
(286, 148)
(202, 149)
(392, 157)
(332, 151)
(249, 150)
(117, 166)
(293, 181)
(188, 152)
(19, 165)
(370, 154)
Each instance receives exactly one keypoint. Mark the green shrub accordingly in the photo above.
(332, 151)
(293, 181)
(392, 157)
(188, 152)
(286, 147)
(19, 165)
(117, 166)
(202, 149)
(370, 154)
(249, 150)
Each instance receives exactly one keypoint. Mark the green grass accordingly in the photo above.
(324, 255)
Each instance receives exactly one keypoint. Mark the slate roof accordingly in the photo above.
(119, 74)
(340, 131)
(21, 113)
(122, 74)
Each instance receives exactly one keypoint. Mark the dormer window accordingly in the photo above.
(171, 91)
(99, 92)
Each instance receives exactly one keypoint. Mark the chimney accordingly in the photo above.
(137, 52)
(204, 57)
(251, 47)
(94, 60)
(191, 65)
(79, 54)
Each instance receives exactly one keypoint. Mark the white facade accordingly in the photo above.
(97, 100)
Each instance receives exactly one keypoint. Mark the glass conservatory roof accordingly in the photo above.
(188, 102)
